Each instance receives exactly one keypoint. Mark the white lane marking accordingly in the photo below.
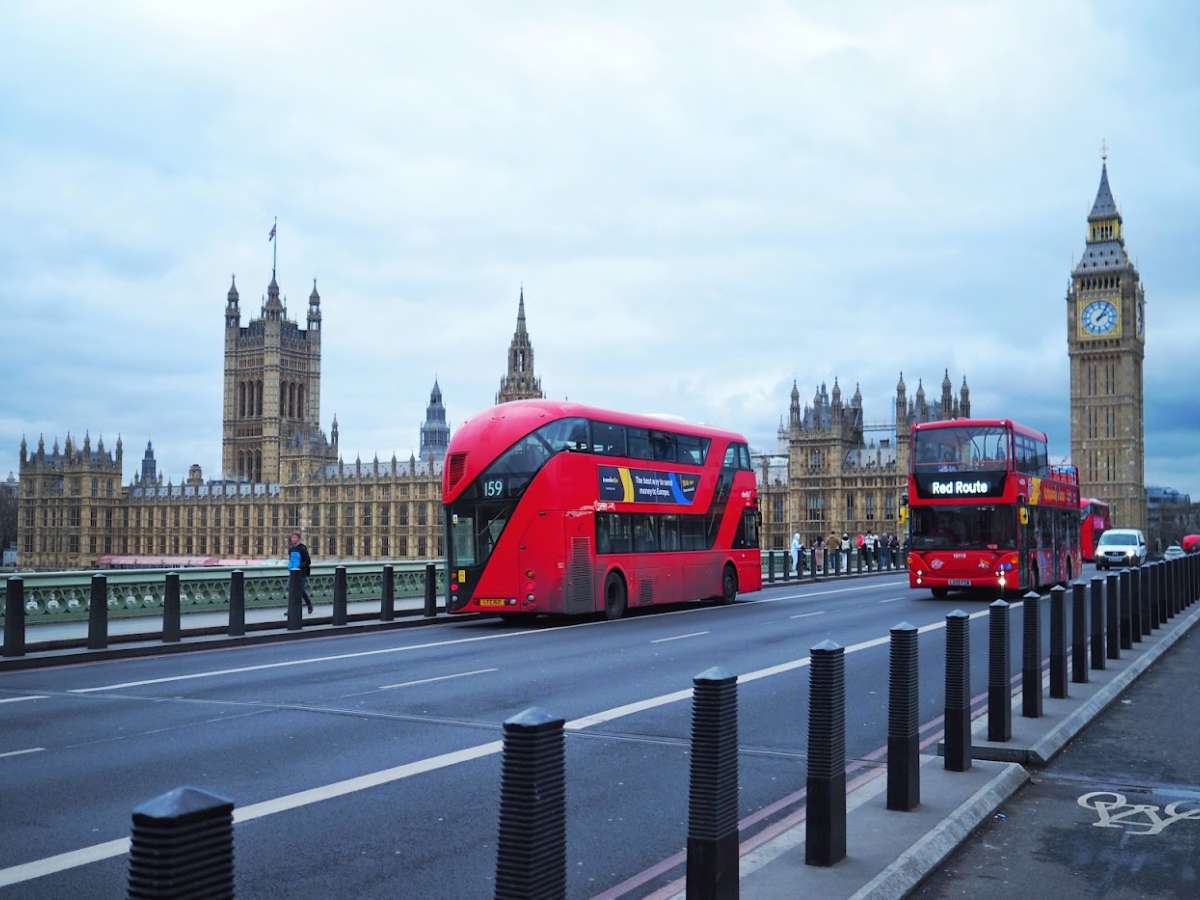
(361, 782)
(679, 637)
(819, 612)
(63, 861)
(388, 687)
(74, 858)
(891, 600)
(485, 637)
(22, 699)
(22, 752)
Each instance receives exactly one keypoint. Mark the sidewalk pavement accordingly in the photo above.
(77, 630)
(1115, 815)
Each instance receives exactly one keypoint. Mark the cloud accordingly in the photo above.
(702, 202)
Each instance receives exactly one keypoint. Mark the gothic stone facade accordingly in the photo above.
(281, 473)
(1106, 342)
(828, 479)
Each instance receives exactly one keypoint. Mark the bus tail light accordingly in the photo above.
(529, 573)
(454, 587)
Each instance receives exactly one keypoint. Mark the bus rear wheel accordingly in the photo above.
(729, 585)
(614, 596)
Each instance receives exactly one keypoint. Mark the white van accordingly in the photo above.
(1121, 547)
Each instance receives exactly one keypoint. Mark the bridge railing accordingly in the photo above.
(64, 596)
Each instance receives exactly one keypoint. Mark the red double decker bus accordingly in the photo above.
(561, 508)
(1094, 520)
(987, 510)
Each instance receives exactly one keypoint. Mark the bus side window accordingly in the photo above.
(747, 533)
(607, 439)
(691, 450)
(668, 532)
(645, 535)
(663, 446)
(639, 443)
(744, 457)
(692, 533)
(612, 533)
(731, 457)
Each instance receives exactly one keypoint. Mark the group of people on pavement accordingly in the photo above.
(874, 551)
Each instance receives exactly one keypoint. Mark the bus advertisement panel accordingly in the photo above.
(1094, 520)
(987, 511)
(566, 509)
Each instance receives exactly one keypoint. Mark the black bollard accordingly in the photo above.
(825, 827)
(712, 841)
(430, 589)
(531, 853)
(97, 638)
(786, 565)
(812, 555)
(1112, 615)
(771, 567)
(170, 626)
(237, 603)
(294, 620)
(14, 616)
(182, 846)
(1172, 587)
(958, 692)
(1058, 642)
(1126, 610)
(1164, 592)
(339, 595)
(1097, 609)
(903, 746)
(999, 673)
(1135, 605)
(1031, 656)
(387, 595)
(1143, 577)
(1079, 633)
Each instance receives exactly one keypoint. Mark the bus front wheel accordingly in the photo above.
(729, 585)
(939, 593)
(614, 596)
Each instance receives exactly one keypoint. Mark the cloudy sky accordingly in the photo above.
(703, 201)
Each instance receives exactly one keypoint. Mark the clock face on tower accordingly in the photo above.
(1099, 317)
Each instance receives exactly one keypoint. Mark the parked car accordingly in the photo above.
(1174, 552)
(1121, 547)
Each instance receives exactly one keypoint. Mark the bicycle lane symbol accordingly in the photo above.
(1114, 811)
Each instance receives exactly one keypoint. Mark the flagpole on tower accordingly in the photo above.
(274, 247)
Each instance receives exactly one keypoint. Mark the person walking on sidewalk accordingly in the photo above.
(299, 560)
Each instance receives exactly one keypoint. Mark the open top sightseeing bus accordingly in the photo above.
(987, 510)
(566, 509)
(1094, 520)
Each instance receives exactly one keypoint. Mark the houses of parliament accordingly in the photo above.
(832, 471)
(281, 471)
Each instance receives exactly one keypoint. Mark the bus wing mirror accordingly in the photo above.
(1023, 515)
(903, 514)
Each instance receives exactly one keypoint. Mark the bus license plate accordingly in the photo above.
(960, 582)
(492, 601)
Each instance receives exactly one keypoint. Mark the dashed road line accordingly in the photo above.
(388, 687)
(679, 637)
(22, 752)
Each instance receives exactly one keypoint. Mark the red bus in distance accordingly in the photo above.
(1094, 520)
(987, 510)
(571, 510)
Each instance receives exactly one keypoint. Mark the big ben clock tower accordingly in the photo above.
(1106, 340)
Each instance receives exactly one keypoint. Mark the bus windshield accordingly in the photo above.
(963, 527)
(961, 447)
